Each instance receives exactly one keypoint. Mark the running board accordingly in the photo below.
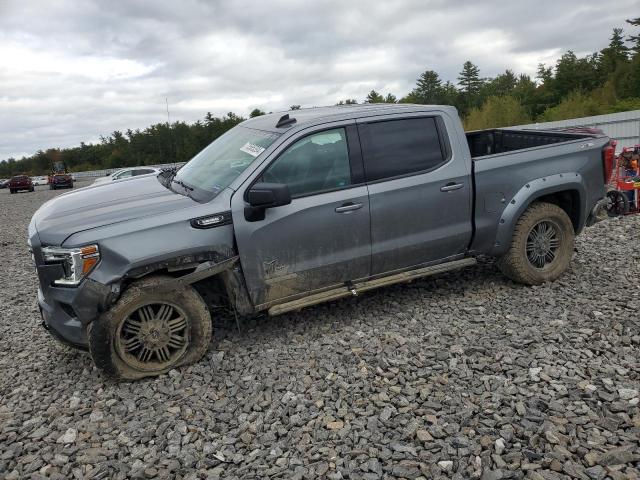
(352, 290)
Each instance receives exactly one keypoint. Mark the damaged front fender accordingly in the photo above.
(203, 271)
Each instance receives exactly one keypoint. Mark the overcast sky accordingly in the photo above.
(73, 70)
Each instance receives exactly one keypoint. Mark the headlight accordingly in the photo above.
(76, 262)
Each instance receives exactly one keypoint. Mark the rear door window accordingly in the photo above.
(394, 148)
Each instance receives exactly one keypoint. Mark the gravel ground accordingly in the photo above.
(464, 375)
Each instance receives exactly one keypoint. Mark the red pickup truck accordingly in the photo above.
(60, 180)
(20, 182)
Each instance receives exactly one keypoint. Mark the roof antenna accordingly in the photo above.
(285, 121)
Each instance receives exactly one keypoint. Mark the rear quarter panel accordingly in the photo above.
(506, 184)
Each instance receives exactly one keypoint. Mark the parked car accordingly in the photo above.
(20, 182)
(280, 213)
(60, 180)
(4, 183)
(127, 173)
(39, 180)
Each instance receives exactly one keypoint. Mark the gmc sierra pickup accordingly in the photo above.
(286, 211)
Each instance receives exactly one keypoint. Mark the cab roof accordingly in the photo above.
(305, 117)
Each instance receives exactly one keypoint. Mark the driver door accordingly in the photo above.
(322, 238)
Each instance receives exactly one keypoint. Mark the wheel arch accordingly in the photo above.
(222, 275)
(566, 190)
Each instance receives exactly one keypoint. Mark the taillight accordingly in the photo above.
(608, 159)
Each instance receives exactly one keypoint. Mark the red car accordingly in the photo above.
(60, 180)
(20, 182)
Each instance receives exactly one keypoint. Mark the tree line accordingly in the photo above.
(607, 81)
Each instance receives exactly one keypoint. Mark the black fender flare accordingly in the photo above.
(528, 194)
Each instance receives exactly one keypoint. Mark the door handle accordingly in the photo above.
(450, 187)
(348, 207)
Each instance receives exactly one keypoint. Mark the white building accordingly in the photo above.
(623, 126)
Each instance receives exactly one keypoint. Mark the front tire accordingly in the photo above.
(541, 247)
(146, 334)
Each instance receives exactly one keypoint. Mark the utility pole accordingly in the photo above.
(166, 100)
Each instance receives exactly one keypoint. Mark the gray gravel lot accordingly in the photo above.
(463, 375)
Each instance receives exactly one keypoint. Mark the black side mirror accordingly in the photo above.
(265, 195)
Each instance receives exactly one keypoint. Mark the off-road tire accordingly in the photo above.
(104, 330)
(515, 263)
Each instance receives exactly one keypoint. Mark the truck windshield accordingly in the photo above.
(215, 167)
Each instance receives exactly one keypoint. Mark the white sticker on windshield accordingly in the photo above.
(251, 149)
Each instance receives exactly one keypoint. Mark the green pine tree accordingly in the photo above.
(470, 84)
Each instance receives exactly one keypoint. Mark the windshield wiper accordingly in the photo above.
(187, 189)
(166, 176)
(182, 184)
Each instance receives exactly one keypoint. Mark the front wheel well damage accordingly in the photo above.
(226, 291)
(177, 266)
(216, 277)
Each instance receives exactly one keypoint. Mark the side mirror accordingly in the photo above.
(265, 195)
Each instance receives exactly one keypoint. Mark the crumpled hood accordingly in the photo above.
(97, 206)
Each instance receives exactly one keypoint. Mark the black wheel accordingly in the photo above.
(12, 191)
(147, 334)
(541, 247)
(618, 203)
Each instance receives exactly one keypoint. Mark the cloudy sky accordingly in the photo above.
(72, 70)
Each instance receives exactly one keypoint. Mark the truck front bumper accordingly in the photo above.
(61, 323)
(67, 312)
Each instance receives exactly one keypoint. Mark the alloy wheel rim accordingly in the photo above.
(153, 337)
(542, 244)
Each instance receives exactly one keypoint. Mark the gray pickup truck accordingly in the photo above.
(287, 211)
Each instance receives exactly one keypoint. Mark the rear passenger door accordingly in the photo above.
(419, 194)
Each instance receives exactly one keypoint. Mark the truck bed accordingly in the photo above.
(508, 164)
(494, 141)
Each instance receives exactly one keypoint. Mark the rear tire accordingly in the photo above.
(541, 247)
(12, 191)
(146, 334)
